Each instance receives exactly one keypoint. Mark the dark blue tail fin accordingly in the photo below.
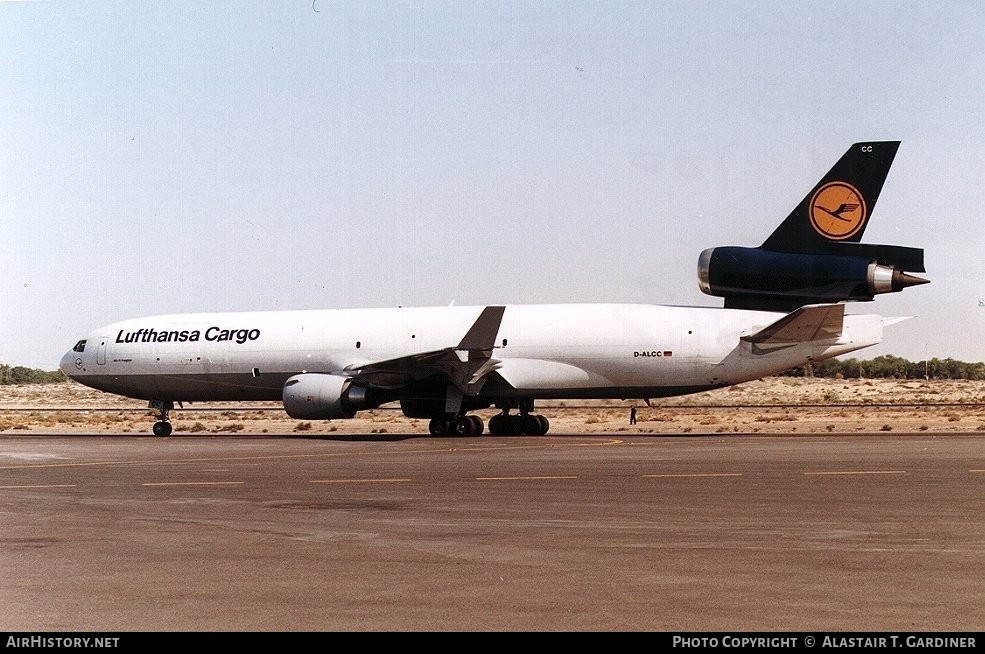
(838, 208)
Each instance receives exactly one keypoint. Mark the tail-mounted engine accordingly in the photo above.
(757, 278)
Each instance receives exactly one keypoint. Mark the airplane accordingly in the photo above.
(784, 307)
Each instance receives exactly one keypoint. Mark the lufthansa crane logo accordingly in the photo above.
(838, 211)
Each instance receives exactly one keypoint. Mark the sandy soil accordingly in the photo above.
(781, 404)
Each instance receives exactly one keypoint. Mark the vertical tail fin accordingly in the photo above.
(838, 208)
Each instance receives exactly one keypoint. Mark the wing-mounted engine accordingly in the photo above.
(317, 396)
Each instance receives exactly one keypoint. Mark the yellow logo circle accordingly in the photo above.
(837, 210)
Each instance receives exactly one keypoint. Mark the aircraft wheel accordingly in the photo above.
(477, 426)
(461, 426)
(531, 425)
(498, 424)
(438, 427)
(162, 428)
(545, 424)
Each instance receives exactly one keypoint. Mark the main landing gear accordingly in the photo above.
(457, 426)
(501, 424)
(163, 426)
(526, 424)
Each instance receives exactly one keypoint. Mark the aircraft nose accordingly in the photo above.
(71, 363)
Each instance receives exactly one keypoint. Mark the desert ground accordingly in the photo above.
(771, 405)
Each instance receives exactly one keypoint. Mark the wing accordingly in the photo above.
(465, 365)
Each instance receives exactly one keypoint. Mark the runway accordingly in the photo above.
(392, 532)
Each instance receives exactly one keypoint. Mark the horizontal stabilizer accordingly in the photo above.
(817, 322)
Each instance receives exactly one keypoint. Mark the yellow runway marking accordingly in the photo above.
(40, 486)
(194, 483)
(859, 472)
(700, 474)
(524, 478)
(357, 481)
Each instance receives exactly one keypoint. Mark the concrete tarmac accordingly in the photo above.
(859, 532)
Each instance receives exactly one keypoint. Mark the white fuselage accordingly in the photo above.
(540, 351)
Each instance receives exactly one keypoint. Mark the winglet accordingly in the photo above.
(482, 334)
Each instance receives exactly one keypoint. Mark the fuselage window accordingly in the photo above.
(80, 346)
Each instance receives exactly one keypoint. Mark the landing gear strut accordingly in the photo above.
(163, 426)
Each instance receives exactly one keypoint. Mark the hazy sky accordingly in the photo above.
(192, 156)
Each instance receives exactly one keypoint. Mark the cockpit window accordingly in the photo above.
(80, 346)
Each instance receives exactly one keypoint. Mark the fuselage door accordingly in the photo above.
(101, 351)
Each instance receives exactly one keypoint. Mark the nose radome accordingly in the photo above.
(71, 363)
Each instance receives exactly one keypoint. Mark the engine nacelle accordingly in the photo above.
(317, 396)
(764, 279)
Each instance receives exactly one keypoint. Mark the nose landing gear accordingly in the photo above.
(163, 426)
